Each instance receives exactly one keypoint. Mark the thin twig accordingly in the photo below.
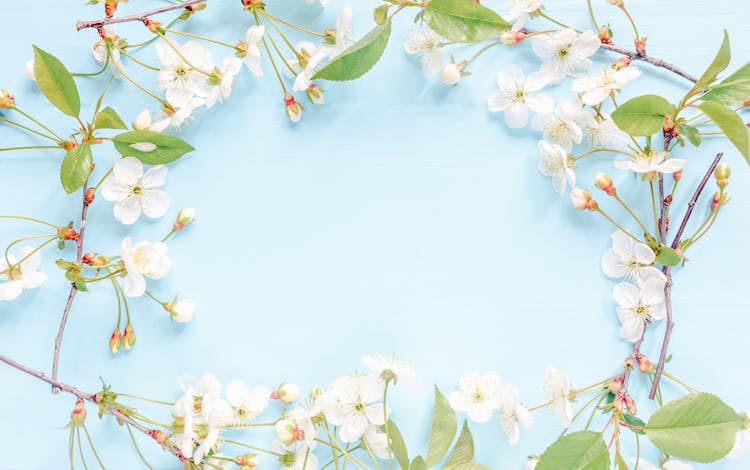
(91, 398)
(634, 357)
(668, 272)
(137, 17)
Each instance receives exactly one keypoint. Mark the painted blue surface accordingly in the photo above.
(401, 216)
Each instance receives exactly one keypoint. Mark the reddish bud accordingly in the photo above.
(644, 365)
(6, 99)
(299, 435)
(621, 63)
(90, 195)
(604, 182)
(128, 338)
(115, 341)
(109, 9)
(605, 35)
(618, 403)
(511, 38)
(630, 405)
(640, 46)
(275, 395)
(67, 233)
(629, 363)
(152, 25)
(89, 258)
(78, 415)
(677, 175)
(668, 199)
(616, 384)
(159, 436)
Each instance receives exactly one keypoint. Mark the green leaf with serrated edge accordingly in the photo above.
(732, 90)
(719, 64)
(56, 83)
(698, 427)
(76, 167)
(464, 20)
(668, 257)
(398, 447)
(109, 119)
(152, 148)
(358, 59)
(731, 125)
(643, 115)
(443, 430)
(418, 463)
(463, 451)
(692, 133)
(584, 450)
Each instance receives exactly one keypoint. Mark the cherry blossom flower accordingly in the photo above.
(426, 45)
(254, 35)
(20, 276)
(520, 12)
(653, 162)
(565, 126)
(603, 133)
(182, 80)
(297, 425)
(478, 396)
(594, 89)
(247, 403)
(670, 464)
(215, 414)
(132, 191)
(144, 260)
(181, 311)
(554, 162)
(637, 304)
(343, 31)
(566, 52)
(296, 456)
(313, 57)
(629, 260)
(558, 391)
(582, 199)
(390, 368)
(513, 414)
(226, 75)
(517, 94)
(352, 403)
(182, 110)
(376, 441)
(101, 50)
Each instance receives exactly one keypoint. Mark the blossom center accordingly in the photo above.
(640, 310)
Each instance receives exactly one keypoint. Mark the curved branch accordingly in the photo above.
(137, 17)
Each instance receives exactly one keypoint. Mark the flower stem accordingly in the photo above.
(202, 38)
(30, 118)
(630, 211)
(604, 214)
(291, 25)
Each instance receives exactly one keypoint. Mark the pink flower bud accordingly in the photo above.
(604, 182)
(640, 46)
(582, 199)
(629, 363)
(630, 405)
(618, 403)
(315, 94)
(605, 35)
(115, 341)
(293, 109)
(644, 365)
(616, 384)
(511, 38)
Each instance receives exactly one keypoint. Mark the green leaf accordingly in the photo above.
(464, 20)
(634, 421)
(668, 257)
(642, 116)
(467, 466)
(443, 430)
(731, 125)
(719, 64)
(620, 462)
(418, 463)
(152, 148)
(56, 83)
(398, 447)
(692, 133)
(109, 119)
(76, 167)
(380, 14)
(358, 59)
(698, 427)
(584, 450)
(733, 90)
(463, 451)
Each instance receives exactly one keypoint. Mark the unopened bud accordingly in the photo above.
(604, 182)
(668, 128)
(720, 199)
(6, 99)
(315, 94)
(618, 403)
(159, 436)
(617, 3)
(629, 363)
(677, 175)
(640, 46)
(90, 195)
(288, 393)
(722, 175)
(78, 415)
(115, 341)
(451, 74)
(110, 9)
(247, 461)
(644, 365)
(184, 218)
(668, 199)
(67, 233)
(128, 338)
(630, 405)
(511, 38)
(621, 63)
(153, 26)
(615, 385)
(582, 199)
(292, 108)
(605, 35)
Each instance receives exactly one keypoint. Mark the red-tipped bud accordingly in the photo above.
(78, 415)
(605, 35)
(115, 341)
(247, 461)
(292, 108)
(159, 436)
(630, 405)
(511, 38)
(640, 46)
(720, 199)
(128, 338)
(153, 26)
(616, 384)
(90, 195)
(644, 365)
(110, 9)
(582, 199)
(67, 233)
(604, 182)
(621, 63)
(618, 403)
(7, 100)
(677, 175)
(668, 199)
(629, 363)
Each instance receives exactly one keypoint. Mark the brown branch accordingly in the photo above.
(668, 272)
(73, 288)
(92, 398)
(634, 357)
(137, 17)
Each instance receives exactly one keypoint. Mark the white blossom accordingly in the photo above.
(477, 395)
(247, 403)
(513, 414)
(426, 45)
(639, 303)
(629, 259)
(741, 441)
(343, 31)
(603, 133)
(29, 70)
(132, 191)
(296, 456)
(390, 368)
(376, 441)
(183, 78)
(553, 162)
(182, 311)
(254, 36)
(144, 260)
(518, 94)
(594, 89)
(650, 163)
(230, 67)
(520, 12)
(450, 74)
(566, 52)
(565, 126)
(20, 276)
(352, 403)
(558, 391)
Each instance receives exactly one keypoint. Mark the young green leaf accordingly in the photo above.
(668, 257)
(443, 430)
(464, 20)
(56, 83)
(358, 59)
(76, 167)
(398, 447)
(732, 90)
(584, 450)
(418, 463)
(152, 148)
(109, 119)
(642, 116)
(698, 427)
(463, 451)
(693, 134)
(731, 125)
(719, 64)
